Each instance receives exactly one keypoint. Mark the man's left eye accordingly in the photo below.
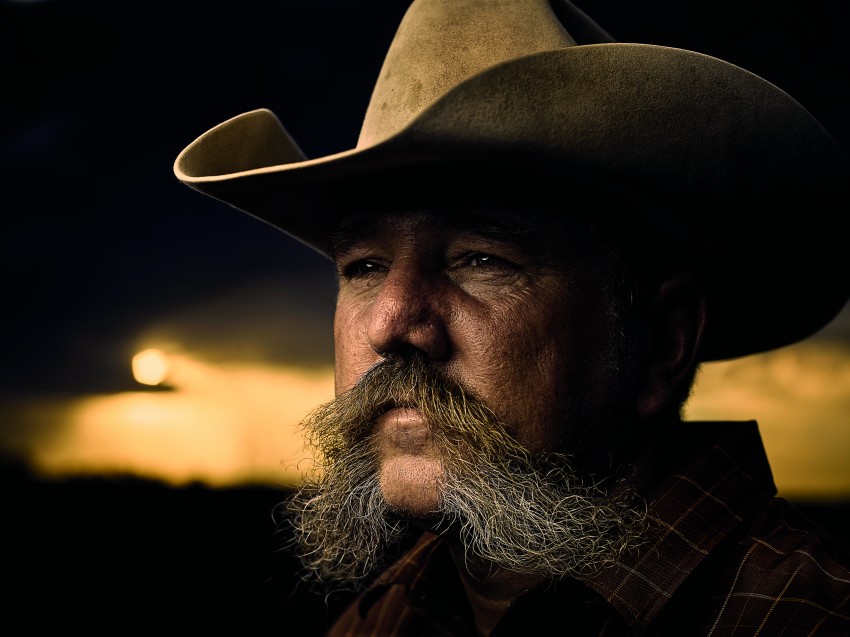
(479, 260)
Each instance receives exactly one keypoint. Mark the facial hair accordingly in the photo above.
(525, 512)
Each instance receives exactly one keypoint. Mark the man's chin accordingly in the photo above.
(410, 485)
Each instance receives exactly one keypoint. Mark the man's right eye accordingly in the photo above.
(361, 269)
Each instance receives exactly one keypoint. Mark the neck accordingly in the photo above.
(490, 589)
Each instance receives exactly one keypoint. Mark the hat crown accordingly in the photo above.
(441, 43)
(476, 92)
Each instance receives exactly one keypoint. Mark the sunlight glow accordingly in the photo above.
(224, 425)
(229, 423)
(150, 367)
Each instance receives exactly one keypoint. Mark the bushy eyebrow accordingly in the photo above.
(350, 233)
(494, 228)
(502, 230)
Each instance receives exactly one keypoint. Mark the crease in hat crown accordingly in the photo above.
(438, 45)
(441, 43)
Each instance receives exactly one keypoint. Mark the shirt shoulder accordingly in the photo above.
(780, 573)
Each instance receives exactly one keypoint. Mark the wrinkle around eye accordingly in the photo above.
(495, 273)
(481, 260)
(361, 272)
(484, 261)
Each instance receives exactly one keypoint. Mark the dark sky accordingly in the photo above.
(99, 98)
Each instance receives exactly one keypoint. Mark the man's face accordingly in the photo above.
(516, 309)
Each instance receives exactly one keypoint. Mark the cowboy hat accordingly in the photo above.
(534, 97)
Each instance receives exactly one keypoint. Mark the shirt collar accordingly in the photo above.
(714, 474)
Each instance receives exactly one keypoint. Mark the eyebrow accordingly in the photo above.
(500, 229)
(351, 232)
(503, 229)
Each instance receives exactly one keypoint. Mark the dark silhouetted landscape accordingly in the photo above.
(116, 555)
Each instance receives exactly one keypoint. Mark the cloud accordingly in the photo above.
(221, 425)
(800, 396)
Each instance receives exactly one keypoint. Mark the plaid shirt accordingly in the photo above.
(731, 560)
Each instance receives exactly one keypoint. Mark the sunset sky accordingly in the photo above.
(106, 255)
(226, 422)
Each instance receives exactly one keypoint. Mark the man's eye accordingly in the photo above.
(479, 260)
(360, 269)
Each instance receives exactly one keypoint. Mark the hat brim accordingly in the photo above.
(712, 154)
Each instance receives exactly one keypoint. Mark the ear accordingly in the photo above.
(677, 320)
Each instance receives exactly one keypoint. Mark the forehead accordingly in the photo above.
(526, 228)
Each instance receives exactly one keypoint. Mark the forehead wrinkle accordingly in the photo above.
(492, 226)
(357, 230)
(351, 232)
(499, 228)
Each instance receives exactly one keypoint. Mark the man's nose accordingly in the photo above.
(409, 313)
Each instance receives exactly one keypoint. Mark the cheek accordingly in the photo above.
(505, 357)
(538, 368)
(529, 388)
(352, 354)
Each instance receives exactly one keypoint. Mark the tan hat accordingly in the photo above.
(530, 97)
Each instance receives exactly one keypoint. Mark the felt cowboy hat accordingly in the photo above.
(532, 98)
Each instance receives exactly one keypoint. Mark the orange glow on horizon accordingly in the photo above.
(230, 424)
(800, 397)
(225, 425)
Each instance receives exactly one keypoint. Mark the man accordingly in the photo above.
(539, 237)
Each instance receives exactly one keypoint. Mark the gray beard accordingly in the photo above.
(516, 510)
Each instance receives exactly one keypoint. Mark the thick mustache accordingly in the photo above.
(409, 382)
(455, 416)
